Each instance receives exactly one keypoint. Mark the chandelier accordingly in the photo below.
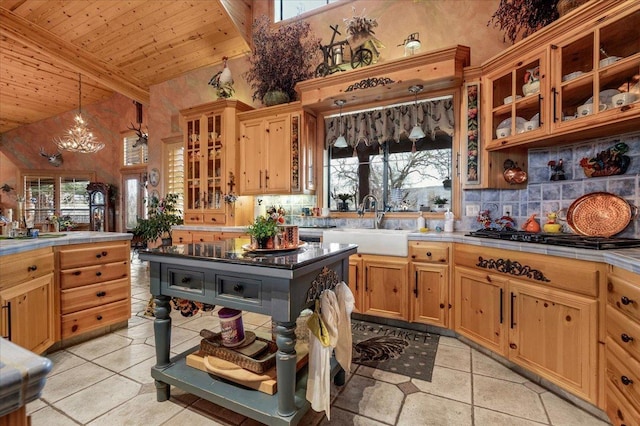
(78, 137)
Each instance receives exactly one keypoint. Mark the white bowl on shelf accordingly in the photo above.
(509, 99)
(624, 98)
(503, 132)
(608, 61)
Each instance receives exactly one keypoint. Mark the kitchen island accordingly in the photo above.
(279, 284)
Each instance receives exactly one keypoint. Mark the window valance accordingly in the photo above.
(390, 124)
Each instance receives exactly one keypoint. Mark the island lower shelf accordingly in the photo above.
(249, 402)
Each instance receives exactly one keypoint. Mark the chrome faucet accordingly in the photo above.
(378, 215)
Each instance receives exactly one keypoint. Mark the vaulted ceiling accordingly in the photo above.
(117, 46)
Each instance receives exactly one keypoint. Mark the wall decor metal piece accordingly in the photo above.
(327, 279)
(368, 83)
(472, 93)
(609, 162)
(511, 267)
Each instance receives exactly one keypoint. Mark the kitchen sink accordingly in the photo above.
(387, 242)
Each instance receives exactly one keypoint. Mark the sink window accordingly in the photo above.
(381, 159)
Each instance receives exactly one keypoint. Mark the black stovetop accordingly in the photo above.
(568, 240)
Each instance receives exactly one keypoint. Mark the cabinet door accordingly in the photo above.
(385, 286)
(28, 314)
(479, 308)
(554, 334)
(277, 154)
(429, 294)
(251, 161)
(193, 168)
(355, 280)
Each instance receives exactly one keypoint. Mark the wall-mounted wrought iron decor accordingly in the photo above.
(326, 280)
(368, 83)
(511, 267)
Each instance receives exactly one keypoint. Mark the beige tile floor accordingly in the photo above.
(106, 381)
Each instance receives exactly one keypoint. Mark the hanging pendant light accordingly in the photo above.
(341, 142)
(416, 131)
(78, 137)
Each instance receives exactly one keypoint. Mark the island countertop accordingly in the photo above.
(19, 245)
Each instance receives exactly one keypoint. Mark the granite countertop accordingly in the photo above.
(235, 251)
(19, 245)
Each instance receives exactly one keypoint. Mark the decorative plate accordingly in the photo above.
(609, 162)
(599, 214)
(506, 124)
(247, 247)
(154, 177)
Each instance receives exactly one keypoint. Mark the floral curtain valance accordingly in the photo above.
(392, 123)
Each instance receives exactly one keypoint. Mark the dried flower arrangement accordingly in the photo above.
(520, 18)
(281, 57)
(360, 27)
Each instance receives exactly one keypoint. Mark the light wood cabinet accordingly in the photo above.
(276, 150)
(210, 132)
(622, 365)
(584, 59)
(356, 274)
(525, 307)
(27, 298)
(385, 286)
(429, 279)
(95, 286)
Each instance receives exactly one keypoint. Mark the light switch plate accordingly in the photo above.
(507, 210)
(472, 210)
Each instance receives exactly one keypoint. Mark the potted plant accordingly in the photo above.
(162, 215)
(439, 201)
(262, 231)
(281, 57)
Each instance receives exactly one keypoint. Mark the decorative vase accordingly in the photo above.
(264, 243)
(275, 97)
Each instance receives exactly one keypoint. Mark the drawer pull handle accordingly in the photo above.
(99, 317)
(238, 288)
(625, 300)
(101, 294)
(98, 274)
(626, 381)
(32, 268)
(76, 273)
(626, 338)
(186, 280)
(428, 254)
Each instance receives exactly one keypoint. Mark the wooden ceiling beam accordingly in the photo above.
(71, 56)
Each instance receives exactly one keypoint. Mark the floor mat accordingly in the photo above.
(394, 349)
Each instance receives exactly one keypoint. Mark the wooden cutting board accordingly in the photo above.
(266, 382)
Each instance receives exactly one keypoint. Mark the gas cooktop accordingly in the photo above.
(568, 240)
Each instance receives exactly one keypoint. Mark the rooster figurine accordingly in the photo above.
(223, 81)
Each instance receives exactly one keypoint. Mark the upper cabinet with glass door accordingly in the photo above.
(594, 71)
(585, 63)
(209, 140)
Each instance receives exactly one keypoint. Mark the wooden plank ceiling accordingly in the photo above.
(117, 46)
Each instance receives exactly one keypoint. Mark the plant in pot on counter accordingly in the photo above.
(439, 201)
(162, 215)
(281, 57)
(262, 232)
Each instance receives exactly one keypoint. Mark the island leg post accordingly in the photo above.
(286, 367)
(162, 334)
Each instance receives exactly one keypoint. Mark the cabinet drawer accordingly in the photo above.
(20, 267)
(182, 237)
(89, 296)
(203, 237)
(624, 296)
(428, 252)
(623, 372)
(76, 277)
(191, 218)
(624, 331)
(82, 321)
(240, 289)
(93, 254)
(619, 409)
(187, 281)
(214, 218)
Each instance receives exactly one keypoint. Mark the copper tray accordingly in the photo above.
(599, 214)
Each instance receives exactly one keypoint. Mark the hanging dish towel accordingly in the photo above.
(346, 303)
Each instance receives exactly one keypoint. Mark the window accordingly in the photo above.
(285, 9)
(380, 159)
(134, 153)
(57, 194)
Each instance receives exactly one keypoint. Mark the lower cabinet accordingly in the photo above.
(356, 274)
(27, 299)
(429, 283)
(515, 311)
(385, 286)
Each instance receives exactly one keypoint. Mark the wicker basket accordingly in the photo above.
(566, 6)
(211, 345)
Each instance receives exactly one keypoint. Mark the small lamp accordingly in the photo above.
(341, 142)
(416, 131)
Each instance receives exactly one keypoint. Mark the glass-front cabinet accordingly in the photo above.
(209, 140)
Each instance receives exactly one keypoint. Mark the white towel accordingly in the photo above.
(346, 303)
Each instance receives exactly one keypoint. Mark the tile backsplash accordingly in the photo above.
(544, 195)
